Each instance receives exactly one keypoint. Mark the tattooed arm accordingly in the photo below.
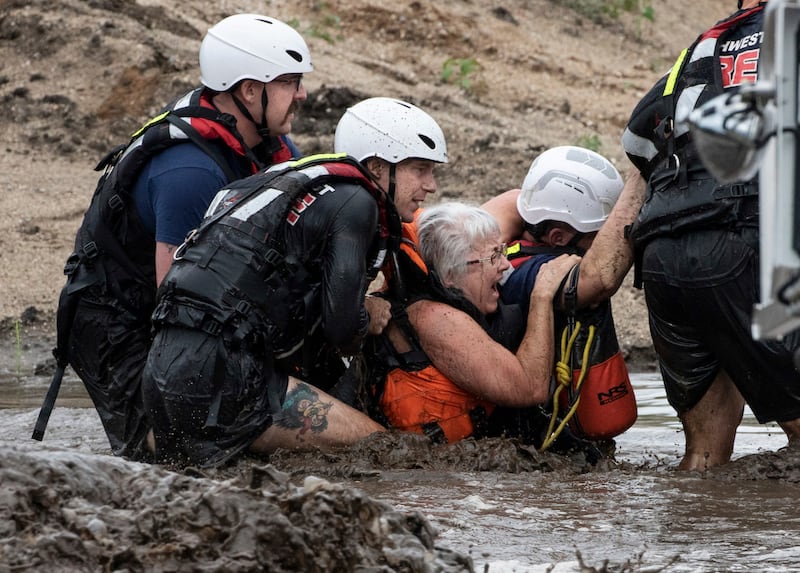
(310, 418)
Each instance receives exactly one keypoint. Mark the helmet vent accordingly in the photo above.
(296, 56)
(427, 141)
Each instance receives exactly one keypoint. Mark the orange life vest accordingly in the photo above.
(426, 402)
(415, 396)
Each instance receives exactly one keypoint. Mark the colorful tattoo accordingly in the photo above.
(303, 409)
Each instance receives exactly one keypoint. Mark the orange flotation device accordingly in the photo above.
(415, 396)
(426, 402)
(593, 394)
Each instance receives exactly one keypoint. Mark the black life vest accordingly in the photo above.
(113, 251)
(114, 256)
(233, 277)
(681, 194)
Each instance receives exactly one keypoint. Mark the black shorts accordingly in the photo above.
(107, 350)
(700, 322)
(208, 402)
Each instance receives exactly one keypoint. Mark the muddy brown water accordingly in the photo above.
(510, 510)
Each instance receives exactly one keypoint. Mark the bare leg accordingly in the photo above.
(311, 419)
(710, 426)
(792, 429)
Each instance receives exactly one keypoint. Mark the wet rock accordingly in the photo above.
(783, 465)
(73, 511)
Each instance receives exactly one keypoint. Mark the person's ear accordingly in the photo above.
(375, 166)
(557, 236)
(250, 90)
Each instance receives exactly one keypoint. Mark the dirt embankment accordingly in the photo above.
(78, 77)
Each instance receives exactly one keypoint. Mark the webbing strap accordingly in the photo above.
(203, 144)
(677, 67)
(47, 405)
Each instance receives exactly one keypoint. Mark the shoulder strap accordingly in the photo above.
(202, 143)
(271, 174)
(519, 250)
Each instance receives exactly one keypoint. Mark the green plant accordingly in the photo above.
(460, 72)
(326, 27)
(599, 10)
(590, 142)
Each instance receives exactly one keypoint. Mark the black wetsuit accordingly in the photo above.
(261, 290)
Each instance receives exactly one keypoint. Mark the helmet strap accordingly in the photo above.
(392, 181)
(537, 230)
(269, 145)
(576, 238)
(261, 126)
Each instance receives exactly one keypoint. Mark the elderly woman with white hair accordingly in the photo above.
(447, 349)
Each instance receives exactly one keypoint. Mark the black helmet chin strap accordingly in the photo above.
(576, 238)
(392, 181)
(269, 144)
(261, 127)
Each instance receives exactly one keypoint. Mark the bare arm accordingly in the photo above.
(610, 257)
(503, 207)
(164, 253)
(466, 354)
(380, 313)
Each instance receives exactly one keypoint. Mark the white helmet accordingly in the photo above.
(570, 184)
(251, 47)
(391, 129)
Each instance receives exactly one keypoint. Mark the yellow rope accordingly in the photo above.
(564, 380)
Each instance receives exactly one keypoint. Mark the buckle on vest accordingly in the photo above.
(243, 307)
(90, 250)
(211, 325)
(273, 257)
(664, 128)
(72, 263)
(115, 202)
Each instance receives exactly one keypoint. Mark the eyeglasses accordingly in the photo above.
(296, 79)
(493, 258)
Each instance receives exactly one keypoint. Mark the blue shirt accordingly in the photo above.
(519, 284)
(174, 190)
